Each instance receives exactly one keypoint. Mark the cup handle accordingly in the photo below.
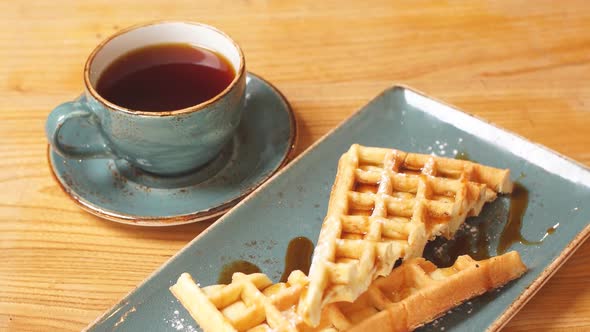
(93, 147)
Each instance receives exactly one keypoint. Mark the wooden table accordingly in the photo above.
(523, 65)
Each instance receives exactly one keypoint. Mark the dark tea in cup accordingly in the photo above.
(165, 77)
(165, 96)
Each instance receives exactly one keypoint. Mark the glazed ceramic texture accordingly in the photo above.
(165, 143)
(117, 190)
(294, 202)
(159, 144)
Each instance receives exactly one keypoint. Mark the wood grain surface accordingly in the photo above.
(524, 65)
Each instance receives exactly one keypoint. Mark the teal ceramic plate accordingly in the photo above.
(294, 202)
(115, 190)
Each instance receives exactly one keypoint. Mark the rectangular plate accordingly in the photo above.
(293, 203)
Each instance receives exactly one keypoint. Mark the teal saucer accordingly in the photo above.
(117, 191)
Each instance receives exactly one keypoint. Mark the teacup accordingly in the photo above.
(165, 142)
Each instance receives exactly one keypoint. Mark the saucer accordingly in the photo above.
(117, 191)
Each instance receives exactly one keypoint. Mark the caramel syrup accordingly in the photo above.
(462, 155)
(552, 229)
(298, 256)
(472, 240)
(236, 266)
(519, 201)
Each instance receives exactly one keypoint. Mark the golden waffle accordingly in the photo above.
(413, 294)
(386, 204)
(418, 292)
(249, 303)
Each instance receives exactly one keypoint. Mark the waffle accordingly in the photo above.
(249, 303)
(386, 204)
(417, 292)
(413, 294)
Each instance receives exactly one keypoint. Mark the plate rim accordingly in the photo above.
(188, 218)
(564, 255)
(509, 311)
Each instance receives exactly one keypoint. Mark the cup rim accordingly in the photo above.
(194, 108)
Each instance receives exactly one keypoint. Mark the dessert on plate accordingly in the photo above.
(417, 292)
(412, 295)
(384, 206)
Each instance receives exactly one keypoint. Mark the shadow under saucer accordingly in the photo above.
(117, 191)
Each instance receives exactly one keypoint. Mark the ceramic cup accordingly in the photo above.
(164, 143)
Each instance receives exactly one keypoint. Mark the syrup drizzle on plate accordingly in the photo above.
(297, 257)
